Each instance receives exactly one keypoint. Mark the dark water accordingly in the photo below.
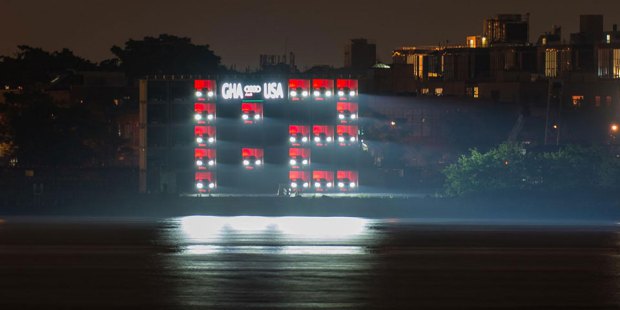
(297, 263)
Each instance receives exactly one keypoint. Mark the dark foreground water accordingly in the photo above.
(296, 263)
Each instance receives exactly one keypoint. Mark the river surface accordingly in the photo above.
(305, 263)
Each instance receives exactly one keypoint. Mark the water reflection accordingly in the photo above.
(270, 235)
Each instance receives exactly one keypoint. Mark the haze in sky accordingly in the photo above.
(239, 30)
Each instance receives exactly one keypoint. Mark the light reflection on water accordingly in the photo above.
(279, 250)
(269, 235)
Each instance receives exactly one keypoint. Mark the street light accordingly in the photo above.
(614, 128)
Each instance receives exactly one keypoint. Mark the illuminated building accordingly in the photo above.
(249, 135)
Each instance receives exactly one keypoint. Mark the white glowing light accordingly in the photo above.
(198, 94)
(316, 93)
(258, 162)
(210, 117)
(304, 162)
(340, 139)
(197, 116)
(207, 234)
(211, 140)
(199, 139)
(210, 94)
(293, 93)
(340, 93)
(352, 139)
(304, 93)
(317, 184)
(245, 116)
(257, 116)
(211, 162)
(211, 185)
(341, 184)
(304, 139)
(328, 93)
(341, 116)
(329, 139)
(246, 162)
(352, 185)
(329, 184)
(292, 162)
(294, 185)
(306, 184)
(200, 185)
(317, 139)
(353, 116)
(352, 93)
(292, 139)
(199, 163)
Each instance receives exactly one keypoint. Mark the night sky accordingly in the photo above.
(240, 30)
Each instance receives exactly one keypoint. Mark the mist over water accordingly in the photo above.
(305, 262)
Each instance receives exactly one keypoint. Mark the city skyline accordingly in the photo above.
(240, 30)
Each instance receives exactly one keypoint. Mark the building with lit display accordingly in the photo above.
(249, 135)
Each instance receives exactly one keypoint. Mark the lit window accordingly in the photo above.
(577, 100)
(476, 92)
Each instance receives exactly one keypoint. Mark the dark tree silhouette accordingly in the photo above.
(32, 66)
(46, 134)
(166, 54)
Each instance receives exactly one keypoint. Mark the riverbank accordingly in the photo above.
(566, 206)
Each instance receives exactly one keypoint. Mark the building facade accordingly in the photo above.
(250, 135)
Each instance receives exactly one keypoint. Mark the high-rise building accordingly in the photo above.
(507, 28)
(359, 54)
